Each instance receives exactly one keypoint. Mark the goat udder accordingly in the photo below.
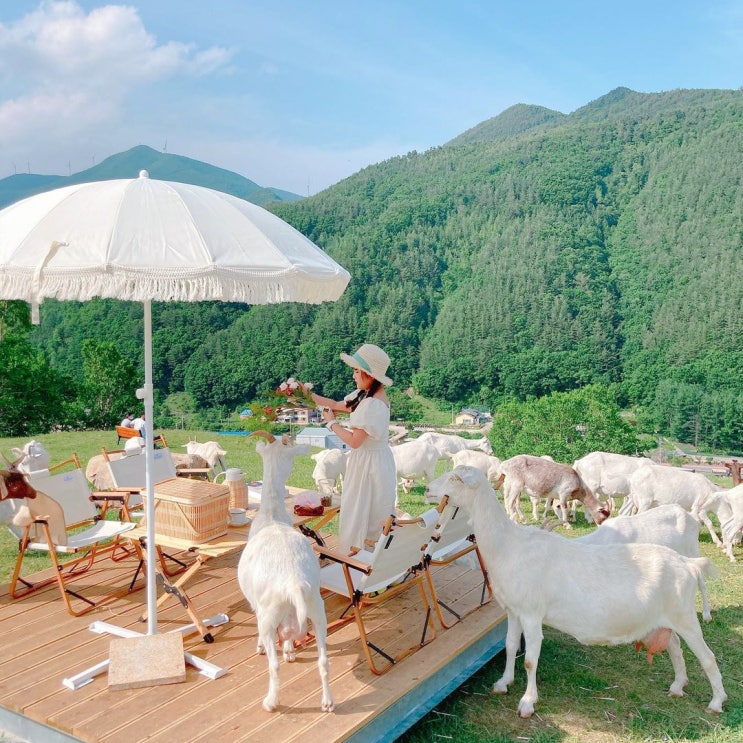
(654, 642)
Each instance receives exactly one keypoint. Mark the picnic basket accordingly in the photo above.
(193, 510)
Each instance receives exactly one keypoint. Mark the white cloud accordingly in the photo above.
(65, 71)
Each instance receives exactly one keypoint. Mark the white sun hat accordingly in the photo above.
(371, 359)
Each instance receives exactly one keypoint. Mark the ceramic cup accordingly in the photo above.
(238, 517)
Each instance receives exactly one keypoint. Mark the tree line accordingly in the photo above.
(600, 248)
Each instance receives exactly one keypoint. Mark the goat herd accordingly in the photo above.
(633, 579)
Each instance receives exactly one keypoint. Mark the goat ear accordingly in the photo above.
(468, 475)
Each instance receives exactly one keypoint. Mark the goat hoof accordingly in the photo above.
(270, 705)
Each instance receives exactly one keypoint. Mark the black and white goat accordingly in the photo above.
(279, 573)
(599, 594)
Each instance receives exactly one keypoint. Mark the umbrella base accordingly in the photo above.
(150, 660)
(204, 667)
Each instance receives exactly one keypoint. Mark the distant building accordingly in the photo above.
(321, 438)
(472, 417)
(302, 416)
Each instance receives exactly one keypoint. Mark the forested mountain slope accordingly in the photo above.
(161, 165)
(540, 253)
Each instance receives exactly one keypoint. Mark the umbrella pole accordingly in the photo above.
(147, 660)
(146, 394)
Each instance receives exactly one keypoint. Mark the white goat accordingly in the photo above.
(415, 460)
(486, 463)
(668, 525)
(607, 474)
(732, 525)
(448, 443)
(599, 594)
(32, 457)
(206, 454)
(656, 484)
(543, 478)
(330, 466)
(279, 573)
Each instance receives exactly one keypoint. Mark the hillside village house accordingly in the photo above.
(472, 417)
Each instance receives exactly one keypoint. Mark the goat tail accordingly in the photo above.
(701, 567)
(298, 593)
(704, 567)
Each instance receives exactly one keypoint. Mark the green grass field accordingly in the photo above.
(587, 694)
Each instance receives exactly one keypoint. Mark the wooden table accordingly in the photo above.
(234, 540)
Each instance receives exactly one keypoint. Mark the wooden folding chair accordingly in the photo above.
(451, 540)
(371, 577)
(63, 520)
(129, 476)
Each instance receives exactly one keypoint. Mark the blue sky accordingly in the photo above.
(300, 94)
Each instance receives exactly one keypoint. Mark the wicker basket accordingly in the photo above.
(193, 510)
(238, 493)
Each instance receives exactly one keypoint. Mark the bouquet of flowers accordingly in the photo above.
(289, 395)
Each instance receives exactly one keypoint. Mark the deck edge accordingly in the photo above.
(29, 731)
(406, 711)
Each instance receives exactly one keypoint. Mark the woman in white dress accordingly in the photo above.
(370, 482)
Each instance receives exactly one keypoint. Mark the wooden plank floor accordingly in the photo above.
(43, 645)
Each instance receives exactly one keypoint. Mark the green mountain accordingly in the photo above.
(160, 165)
(515, 120)
(546, 253)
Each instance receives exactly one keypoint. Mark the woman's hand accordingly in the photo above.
(327, 415)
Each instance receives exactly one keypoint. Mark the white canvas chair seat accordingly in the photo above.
(100, 531)
(453, 540)
(396, 564)
(63, 520)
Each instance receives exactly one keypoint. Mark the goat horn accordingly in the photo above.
(7, 461)
(264, 435)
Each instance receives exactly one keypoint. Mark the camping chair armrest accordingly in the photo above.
(108, 495)
(343, 559)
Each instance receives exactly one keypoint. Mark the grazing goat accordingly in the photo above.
(543, 478)
(668, 525)
(656, 484)
(415, 460)
(279, 573)
(448, 443)
(607, 474)
(330, 466)
(599, 594)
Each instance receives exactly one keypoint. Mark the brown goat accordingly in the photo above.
(13, 483)
(543, 478)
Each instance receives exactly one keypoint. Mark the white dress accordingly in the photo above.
(370, 482)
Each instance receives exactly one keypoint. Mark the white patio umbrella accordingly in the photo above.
(142, 240)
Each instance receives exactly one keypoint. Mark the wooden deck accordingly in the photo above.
(43, 645)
